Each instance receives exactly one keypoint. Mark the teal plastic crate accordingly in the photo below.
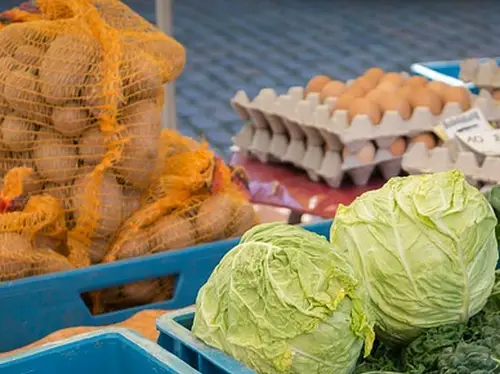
(443, 71)
(35, 307)
(176, 337)
(107, 351)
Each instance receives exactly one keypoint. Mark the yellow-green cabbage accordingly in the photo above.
(283, 301)
(425, 249)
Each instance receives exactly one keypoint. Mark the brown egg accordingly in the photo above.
(398, 147)
(405, 91)
(460, 95)
(317, 83)
(364, 155)
(375, 95)
(344, 101)
(425, 97)
(374, 74)
(417, 81)
(395, 78)
(395, 102)
(363, 106)
(428, 139)
(437, 87)
(496, 95)
(357, 89)
(332, 89)
(387, 86)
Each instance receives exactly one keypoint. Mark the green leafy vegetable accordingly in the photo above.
(467, 359)
(425, 249)
(283, 301)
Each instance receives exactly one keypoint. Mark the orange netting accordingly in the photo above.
(29, 226)
(196, 198)
(88, 176)
(81, 93)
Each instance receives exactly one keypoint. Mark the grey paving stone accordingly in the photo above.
(241, 44)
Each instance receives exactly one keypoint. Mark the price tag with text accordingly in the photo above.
(484, 142)
(473, 119)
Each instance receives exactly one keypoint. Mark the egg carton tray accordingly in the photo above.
(277, 118)
(484, 73)
(318, 161)
(478, 170)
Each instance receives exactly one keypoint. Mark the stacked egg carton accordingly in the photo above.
(479, 170)
(484, 73)
(300, 130)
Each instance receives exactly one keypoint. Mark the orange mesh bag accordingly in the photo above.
(32, 228)
(81, 93)
(196, 198)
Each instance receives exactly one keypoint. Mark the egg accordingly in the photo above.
(332, 89)
(428, 139)
(363, 106)
(460, 95)
(417, 81)
(425, 97)
(375, 95)
(398, 147)
(496, 95)
(387, 86)
(405, 91)
(437, 87)
(364, 155)
(317, 83)
(374, 74)
(357, 89)
(394, 102)
(344, 101)
(395, 78)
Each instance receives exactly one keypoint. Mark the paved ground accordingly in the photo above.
(243, 44)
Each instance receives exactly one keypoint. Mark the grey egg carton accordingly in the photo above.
(301, 131)
(272, 137)
(479, 170)
(484, 73)
(294, 117)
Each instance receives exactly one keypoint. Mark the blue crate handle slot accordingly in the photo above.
(149, 349)
(35, 307)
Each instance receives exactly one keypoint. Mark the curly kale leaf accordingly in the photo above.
(468, 359)
(382, 360)
(422, 355)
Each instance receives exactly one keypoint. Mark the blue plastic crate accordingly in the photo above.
(108, 351)
(443, 71)
(176, 337)
(35, 307)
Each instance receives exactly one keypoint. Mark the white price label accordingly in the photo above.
(473, 119)
(484, 142)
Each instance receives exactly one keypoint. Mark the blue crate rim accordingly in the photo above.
(427, 70)
(166, 324)
(147, 346)
(188, 251)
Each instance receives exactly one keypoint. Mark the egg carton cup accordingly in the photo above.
(478, 170)
(484, 73)
(333, 169)
(290, 119)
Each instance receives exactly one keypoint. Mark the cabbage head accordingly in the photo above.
(425, 249)
(282, 301)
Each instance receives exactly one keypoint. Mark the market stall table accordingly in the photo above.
(290, 188)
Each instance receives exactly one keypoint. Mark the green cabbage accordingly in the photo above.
(425, 249)
(283, 301)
